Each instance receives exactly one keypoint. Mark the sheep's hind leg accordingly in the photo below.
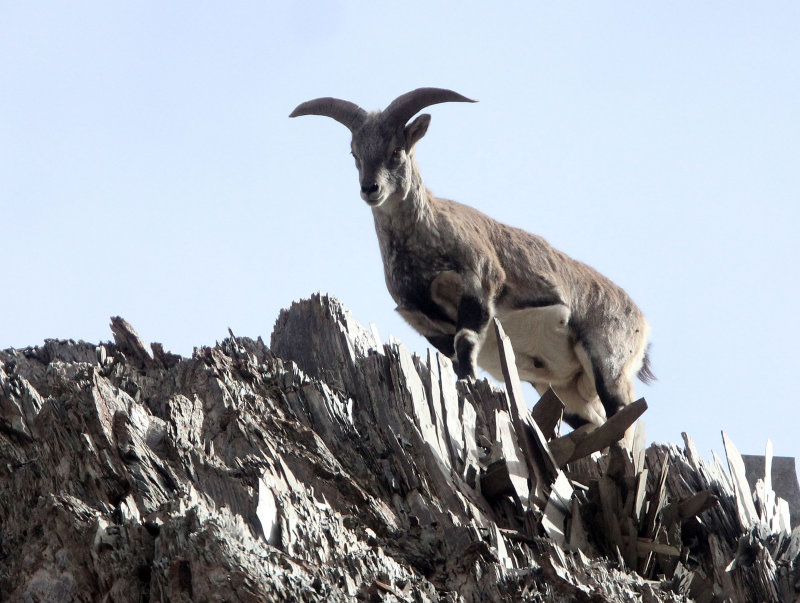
(614, 387)
(581, 408)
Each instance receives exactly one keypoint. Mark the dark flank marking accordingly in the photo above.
(537, 303)
(546, 295)
(443, 343)
(575, 421)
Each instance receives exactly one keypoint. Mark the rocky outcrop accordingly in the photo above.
(331, 467)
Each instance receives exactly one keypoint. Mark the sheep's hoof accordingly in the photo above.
(469, 377)
(467, 373)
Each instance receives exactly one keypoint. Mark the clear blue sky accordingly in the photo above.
(148, 169)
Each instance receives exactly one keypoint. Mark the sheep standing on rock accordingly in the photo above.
(451, 269)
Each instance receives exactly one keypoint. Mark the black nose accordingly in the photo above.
(370, 188)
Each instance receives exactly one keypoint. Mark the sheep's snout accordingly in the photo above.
(371, 193)
(369, 189)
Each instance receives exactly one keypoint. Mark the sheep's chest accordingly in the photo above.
(414, 278)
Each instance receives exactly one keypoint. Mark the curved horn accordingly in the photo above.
(346, 113)
(404, 107)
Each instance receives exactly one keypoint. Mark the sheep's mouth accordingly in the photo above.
(373, 200)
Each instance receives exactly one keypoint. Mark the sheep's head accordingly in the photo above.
(383, 141)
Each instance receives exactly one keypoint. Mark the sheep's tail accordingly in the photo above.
(646, 374)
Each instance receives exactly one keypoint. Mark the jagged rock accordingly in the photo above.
(331, 467)
(782, 478)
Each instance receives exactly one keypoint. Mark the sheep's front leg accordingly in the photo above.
(474, 314)
(443, 343)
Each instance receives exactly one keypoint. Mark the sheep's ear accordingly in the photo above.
(416, 130)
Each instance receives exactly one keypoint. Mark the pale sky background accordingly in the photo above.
(148, 169)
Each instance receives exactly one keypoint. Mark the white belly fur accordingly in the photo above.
(541, 336)
(537, 335)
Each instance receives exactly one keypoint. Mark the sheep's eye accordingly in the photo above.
(397, 152)
(354, 155)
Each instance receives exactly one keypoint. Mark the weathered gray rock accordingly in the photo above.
(783, 476)
(330, 467)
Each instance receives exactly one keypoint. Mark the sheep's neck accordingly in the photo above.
(405, 217)
(405, 228)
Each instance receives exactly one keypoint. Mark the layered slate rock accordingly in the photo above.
(332, 467)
